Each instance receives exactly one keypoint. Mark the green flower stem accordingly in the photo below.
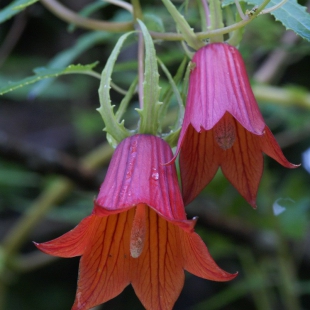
(206, 10)
(149, 121)
(52, 195)
(71, 17)
(216, 18)
(137, 11)
(121, 4)
(285, 97)
(235, 37)
(140, 69)
(187, 32)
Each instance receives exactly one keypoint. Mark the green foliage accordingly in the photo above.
(14, 8)
(151, 105)
(292, 15)
(183, 26)
(116, 131)
(65, 57)
(44, 73)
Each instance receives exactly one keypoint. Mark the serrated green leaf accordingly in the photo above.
(43, 73)
(292, 15)
(150, 111)
(14, 8)
(116, 131)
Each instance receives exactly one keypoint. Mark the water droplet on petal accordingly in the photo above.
(155, 176)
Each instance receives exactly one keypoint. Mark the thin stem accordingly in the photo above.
(240, 11)
(118, 89)
(71, 17)
(275, 7)
(216, 19)
(13, 36)
(121, 4)
(285, 97)
(170, 36)
(137, 11)
(207, 12)
(140, 69)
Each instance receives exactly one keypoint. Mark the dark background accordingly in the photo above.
(43, 135)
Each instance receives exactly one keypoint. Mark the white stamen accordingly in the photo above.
(138, 231)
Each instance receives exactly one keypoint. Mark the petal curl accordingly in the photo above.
(72, 243)
(198, 261)
(270, 147)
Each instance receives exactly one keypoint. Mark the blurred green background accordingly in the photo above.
(48, 127)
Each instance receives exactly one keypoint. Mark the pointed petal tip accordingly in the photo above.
(231, 276)
(226, 276)
(192, 223)
(253, 204)
(172, 161)
(293, 166)
(41, 247)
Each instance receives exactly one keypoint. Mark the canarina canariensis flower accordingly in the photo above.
(138, 232)
(223, 126)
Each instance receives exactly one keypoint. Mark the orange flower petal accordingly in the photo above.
(72, 243)
(105, 265)
(199, 161)
(243, 164)
(198, 261)
(158, 275)
(270, 146)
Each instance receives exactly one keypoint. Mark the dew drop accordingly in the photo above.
(155, 176)
(123, 190)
